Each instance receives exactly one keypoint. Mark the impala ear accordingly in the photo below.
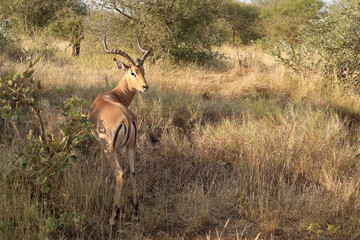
(121, 65)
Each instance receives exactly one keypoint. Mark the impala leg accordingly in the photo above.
(132, 156)
(119, 174)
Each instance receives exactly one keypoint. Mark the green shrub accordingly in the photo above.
(329, 45)
(300, 60)
(19, 90)
(6, 34)
(41, 159)
(42, 162)
(336, 39)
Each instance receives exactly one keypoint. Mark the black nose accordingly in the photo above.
(146, 87)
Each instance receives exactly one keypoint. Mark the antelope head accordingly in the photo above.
(134, 72)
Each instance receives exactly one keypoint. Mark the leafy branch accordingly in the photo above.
(19, 90)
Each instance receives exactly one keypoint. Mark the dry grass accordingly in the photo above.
(242, 149)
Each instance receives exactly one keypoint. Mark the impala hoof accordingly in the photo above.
(115, 216)
(136, 217)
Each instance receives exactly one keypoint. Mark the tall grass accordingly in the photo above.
(241, 149)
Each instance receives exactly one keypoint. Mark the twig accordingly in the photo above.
(41, 124)
(16, 130)
(124, 14)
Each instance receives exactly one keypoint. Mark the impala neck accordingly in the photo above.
(123, 92)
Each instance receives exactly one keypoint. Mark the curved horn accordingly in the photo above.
(146, 52)
(118, 52)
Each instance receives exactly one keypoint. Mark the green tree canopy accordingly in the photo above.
(283, 17)
(184, 29)
(63, 18)
(69, 24)
(329, 45)
(242, 19)
(31, 15)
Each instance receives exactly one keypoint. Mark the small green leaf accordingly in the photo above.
(67, 108)
(16, 76)
(37, 59)
(3, 227)
(62, 132)
(38, 85)
(8, 116)
(18, 110)
(44, 179)
(60, 91)
(64, 167)
(29, 74)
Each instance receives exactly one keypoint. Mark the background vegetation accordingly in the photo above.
(250, 129)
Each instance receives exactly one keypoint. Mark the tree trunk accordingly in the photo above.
(76, 49)
(234, 32)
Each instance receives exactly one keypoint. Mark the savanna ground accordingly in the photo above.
(243, 149)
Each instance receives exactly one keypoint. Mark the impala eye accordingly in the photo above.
(133, 74)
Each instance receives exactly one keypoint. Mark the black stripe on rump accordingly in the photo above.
(117, 132)
(127, 139)
(135, 133)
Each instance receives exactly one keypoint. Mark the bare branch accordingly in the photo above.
(122, 13)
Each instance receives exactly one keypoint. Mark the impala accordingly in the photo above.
(116, 125)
